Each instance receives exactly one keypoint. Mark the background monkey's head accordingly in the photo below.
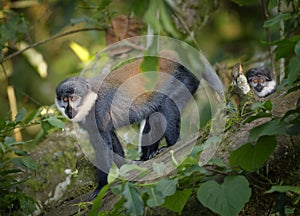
(262, 81)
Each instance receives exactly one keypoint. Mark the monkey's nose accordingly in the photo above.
(259, 88)
(69, 112)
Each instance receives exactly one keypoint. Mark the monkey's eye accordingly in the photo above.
(262, 81)
(65, 99)
(73, 98)
(255, 81)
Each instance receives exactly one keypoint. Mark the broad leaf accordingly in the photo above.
(178, 200)
(155, 197)
(32, 116)
(274, 127)
(251, 157)
(125, 170)
(56, 122)
(134, 204)
(167, 187)
(226, 199)
(294, 70)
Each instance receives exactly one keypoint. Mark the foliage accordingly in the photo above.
(288, 44)
(15, 161)
(225, 197)
(13, 29)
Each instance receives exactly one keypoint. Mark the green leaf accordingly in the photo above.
(20, 115)
(257, 116)
(284, 188)
(10, 141)
(178, 200)
(27, 204)
(167, 186)
(226, 199)
(275, 20)
(10, 171)
(2, 123)
(98, 201)
(165, 15)
(134, 204)
(140, 8)
(159, 168)
(297, 48)
(19, 152)
(155, 197)
(27, 162)
(2, 147)
(251, 157)
(274, 127)
(56, 122)
(150, 68)
(32, 116)
(268, 105)
(294, 70)
(294, 129)
(150, 17)
(125, 170)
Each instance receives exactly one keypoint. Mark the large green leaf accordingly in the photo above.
(27, 162)
(134, 204)
(56, 122)
(274, 127)
(155, 197)
(226, 199)
(32, 116)
(167, 186)
(294, 69)
(178, 200)
(251, 157)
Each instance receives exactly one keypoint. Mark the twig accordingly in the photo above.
(49, 39)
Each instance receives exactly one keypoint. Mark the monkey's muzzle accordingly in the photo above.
(70, 112)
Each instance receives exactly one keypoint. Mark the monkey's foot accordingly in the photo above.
(158, 151)
(93, 195)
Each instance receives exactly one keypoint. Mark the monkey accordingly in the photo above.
(121, 99)
(262, 81)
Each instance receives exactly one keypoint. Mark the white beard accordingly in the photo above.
(268, 89)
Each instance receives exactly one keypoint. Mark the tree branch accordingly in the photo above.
(49, 39)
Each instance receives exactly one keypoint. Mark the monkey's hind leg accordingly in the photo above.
(164, 123)
(151, 136)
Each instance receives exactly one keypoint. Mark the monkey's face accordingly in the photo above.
(262, 81)
(68, 104)
(258, 83)
(71, 94)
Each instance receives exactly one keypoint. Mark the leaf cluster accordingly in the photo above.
(15, 160)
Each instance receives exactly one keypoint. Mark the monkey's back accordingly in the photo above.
(129, 89)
